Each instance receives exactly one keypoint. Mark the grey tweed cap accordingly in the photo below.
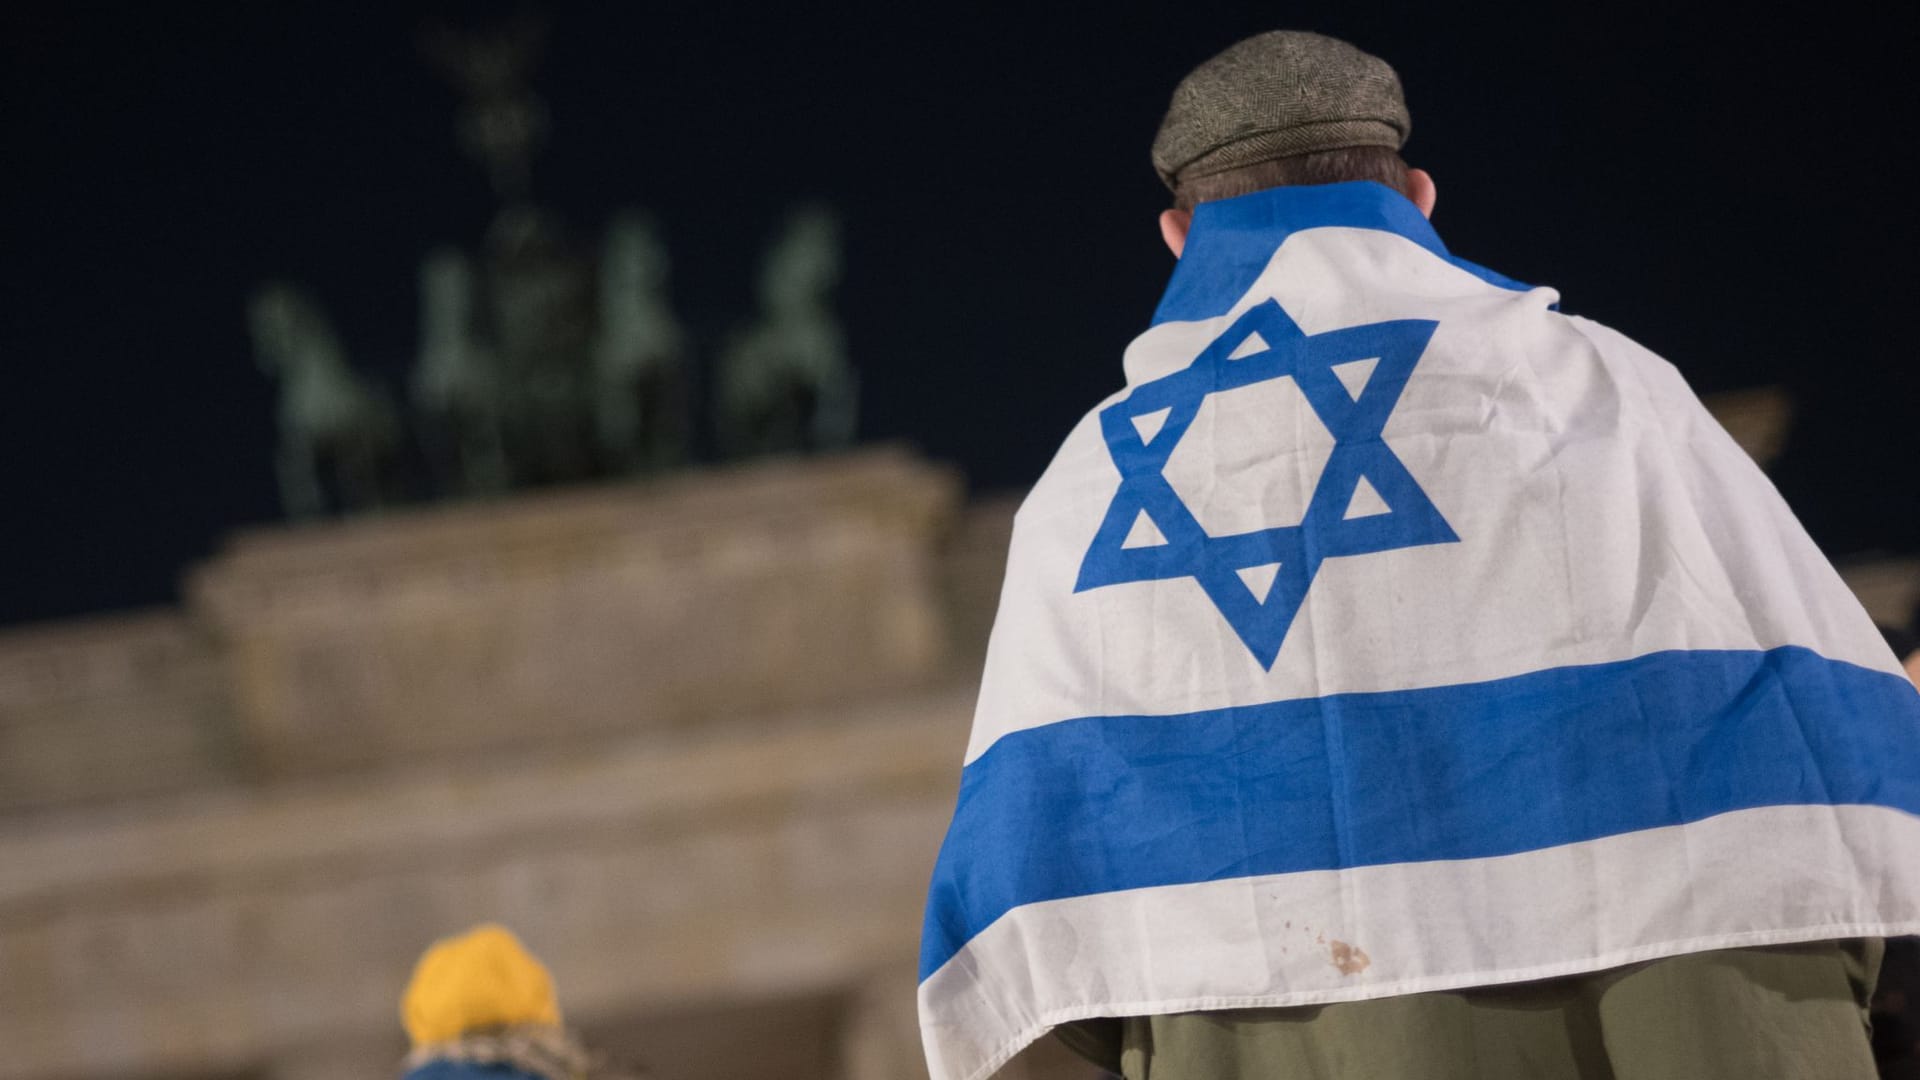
(1275, 95)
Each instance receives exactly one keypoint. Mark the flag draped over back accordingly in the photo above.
(1392, 631)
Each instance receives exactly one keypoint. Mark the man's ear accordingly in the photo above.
(1421, 190)
(1173, 229)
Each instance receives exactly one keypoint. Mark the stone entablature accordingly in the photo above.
(696, 600)
(108, 708)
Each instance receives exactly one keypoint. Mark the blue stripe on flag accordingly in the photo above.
(1233, 240)
(1455, 772)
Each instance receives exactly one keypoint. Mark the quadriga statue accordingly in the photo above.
(785, 383)
(639, 353)
(339, 437)
(457, 389)
(541, 300)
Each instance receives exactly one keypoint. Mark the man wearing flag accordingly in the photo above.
(1399, 677)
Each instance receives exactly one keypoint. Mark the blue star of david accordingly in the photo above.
(1279, 350)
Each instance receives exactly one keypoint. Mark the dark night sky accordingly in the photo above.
(1734, 195)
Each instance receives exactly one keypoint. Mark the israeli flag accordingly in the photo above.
(1391, 631)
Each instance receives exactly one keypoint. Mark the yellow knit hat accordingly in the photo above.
(478, 980)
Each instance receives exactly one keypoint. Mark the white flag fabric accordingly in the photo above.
(1391, 631)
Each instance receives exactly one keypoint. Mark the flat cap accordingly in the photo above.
(1274, 95)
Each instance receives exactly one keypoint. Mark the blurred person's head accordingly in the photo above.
(479, 1006)
(1280, 109)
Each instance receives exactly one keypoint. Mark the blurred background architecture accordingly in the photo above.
(695, 741)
